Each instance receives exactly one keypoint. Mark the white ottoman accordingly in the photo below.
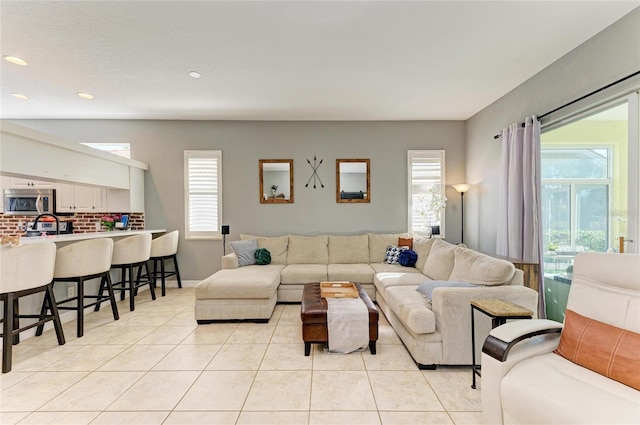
(246, 293)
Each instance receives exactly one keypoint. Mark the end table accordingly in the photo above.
(499, 311)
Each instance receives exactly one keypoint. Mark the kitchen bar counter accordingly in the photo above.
(74, 237)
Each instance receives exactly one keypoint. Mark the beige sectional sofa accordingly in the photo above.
(436, 332)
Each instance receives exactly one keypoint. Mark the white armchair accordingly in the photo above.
(525, 382)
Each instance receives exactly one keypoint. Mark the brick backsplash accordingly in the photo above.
(82, 222)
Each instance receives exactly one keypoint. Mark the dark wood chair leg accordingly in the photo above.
(307, 348)
(57, 323)
(123, 281)
(16, 320)
(7, 332)
(372, 347)
(151, 288)
(162, 277)
(175, 266)
(80, 307)
(112, 296)
(132, 305)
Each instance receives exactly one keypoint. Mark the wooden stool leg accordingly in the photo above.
(112, 296)
(57, 323)
(162, 276)
(175, 266)
(132, 305)
(16, 320)
(7, 333)
(80, 308)
(151, 288)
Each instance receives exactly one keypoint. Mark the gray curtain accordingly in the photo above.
(519, 232)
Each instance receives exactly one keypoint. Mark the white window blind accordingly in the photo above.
(426, 190)
(203, 194)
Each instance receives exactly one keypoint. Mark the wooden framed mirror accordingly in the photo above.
(353, 181)
(276, 181)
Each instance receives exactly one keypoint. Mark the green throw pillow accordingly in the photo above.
(263, 256)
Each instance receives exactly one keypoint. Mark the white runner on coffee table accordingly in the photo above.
(347, 325)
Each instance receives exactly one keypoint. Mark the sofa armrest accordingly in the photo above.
(452, 309)
(230, 261)
(503, 338)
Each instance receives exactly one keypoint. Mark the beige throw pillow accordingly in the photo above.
(440, 260)
(480, 269)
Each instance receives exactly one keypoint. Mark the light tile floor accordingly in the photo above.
(157, 366)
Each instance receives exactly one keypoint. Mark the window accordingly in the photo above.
(576, 198)
(203, 194)
(120, 149)
(426, 190)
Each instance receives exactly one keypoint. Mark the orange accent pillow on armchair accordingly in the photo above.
(604, 349)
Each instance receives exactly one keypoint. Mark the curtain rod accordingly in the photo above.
(497, 136)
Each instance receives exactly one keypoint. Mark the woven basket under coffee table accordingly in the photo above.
(314, 317)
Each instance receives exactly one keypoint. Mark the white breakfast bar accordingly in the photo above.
(75, 237)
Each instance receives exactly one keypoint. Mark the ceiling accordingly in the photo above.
(306, 60)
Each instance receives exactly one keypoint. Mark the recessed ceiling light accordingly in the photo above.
(194, 74)
(20, 96)
(85, 95)
(15, 60)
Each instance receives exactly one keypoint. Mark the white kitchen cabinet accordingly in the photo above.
(4, 184)
(132, 200)
(78, 198)
(20, 183)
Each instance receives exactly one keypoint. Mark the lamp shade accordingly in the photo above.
(462, 187)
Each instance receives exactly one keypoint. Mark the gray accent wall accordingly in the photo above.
(610, 55)
(315, 211)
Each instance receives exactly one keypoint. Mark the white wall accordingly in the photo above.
(610, 55)
(315, 211)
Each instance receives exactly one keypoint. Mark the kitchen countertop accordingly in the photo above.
(84, 236)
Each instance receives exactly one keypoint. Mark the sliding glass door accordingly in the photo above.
(590, 186)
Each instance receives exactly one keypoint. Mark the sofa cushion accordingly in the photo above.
(608, 350)
(422, 247)
(440, 260)
(303, 273)
(308, 250)
(480, 269)
(276, 246)
(426, 289)
(245, 282)
(378, 244)
(382, 281)
(361, 273)
(390, 268)
(245, 251)
(349, 249)
(411, 308)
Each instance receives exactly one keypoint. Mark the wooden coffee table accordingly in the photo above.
(314, 317)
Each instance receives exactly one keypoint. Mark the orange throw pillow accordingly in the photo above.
(604, 349)
(406, 242)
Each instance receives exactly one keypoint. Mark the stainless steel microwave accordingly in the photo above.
(29, 201)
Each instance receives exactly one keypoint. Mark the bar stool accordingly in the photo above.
(164, 248)
(79, 263)
(128, 254)
(26, 270)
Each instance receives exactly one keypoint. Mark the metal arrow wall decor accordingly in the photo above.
(314, 175)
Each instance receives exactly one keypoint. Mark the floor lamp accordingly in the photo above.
(462, 188)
